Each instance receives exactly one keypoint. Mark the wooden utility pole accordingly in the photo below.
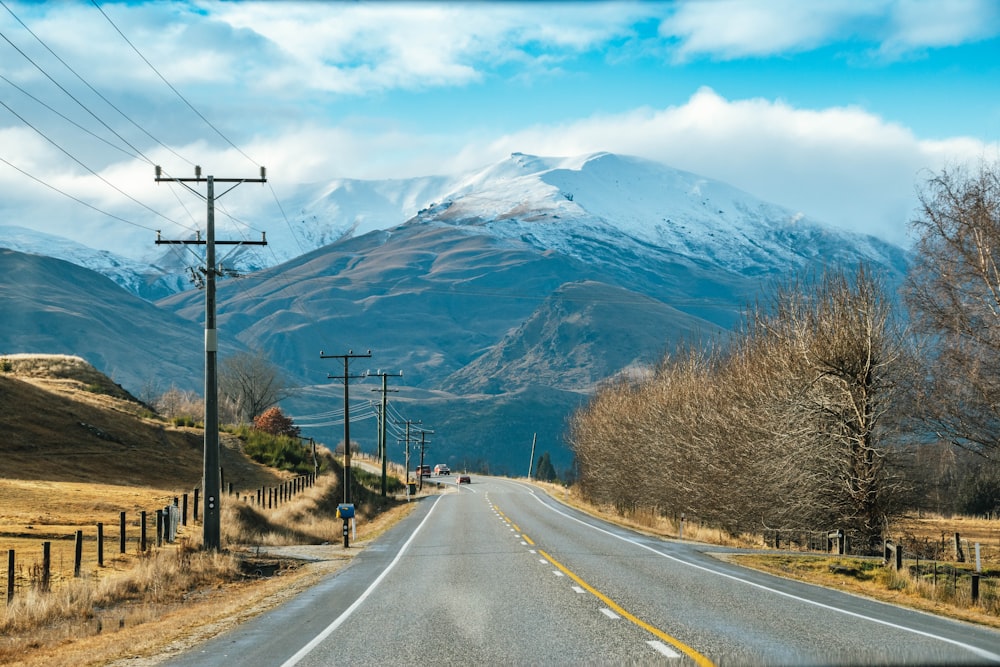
(406, 456)
(212, 480)
(383, 455)
(423, 445)
(347, 377)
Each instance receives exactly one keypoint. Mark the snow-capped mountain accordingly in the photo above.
(506, 294)
(598, 195)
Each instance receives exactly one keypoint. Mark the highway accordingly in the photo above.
(498, 573)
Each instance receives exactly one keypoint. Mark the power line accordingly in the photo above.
(74, 98)
(77, 200)
(169, 85)
(67, 118)
(79, 162)
(95, 91)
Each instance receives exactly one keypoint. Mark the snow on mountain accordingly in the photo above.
(322, 213)
(599, 198)
(628, 199)
(137, 277)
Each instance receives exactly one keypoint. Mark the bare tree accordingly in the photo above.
(850, 349)
(786, 427)
(250, 383)
(953, 292)
(175, 403)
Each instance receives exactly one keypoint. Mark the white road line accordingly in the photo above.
(610, 614)
(663, 649)
(558, 573)
(318, 639)
(578, 589)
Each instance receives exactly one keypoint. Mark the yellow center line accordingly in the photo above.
(687, 650)
(527, 539)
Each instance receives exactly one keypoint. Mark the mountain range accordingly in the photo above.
(505, 295)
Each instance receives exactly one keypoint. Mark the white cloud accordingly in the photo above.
(354, 48)
(734, 29)
(842, 165)
(919, 24)
(729, 29)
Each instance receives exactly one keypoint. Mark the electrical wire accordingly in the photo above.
(77, 200)
(75, 99)
(79, 162)
(171, 86)
(95, 91)
(67, 118)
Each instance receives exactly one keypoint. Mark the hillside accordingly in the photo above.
(65, 422)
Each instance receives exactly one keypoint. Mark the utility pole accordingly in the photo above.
(381, 427)
(406, 456)
(212, 480)
(347, 377)
(534, 437)
(423, 444)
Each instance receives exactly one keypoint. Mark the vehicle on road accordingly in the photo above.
(423, 471)
(464, 479)
(442, 469)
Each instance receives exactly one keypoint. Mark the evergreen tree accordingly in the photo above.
(546, 472)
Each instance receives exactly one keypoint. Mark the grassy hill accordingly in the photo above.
(63, 421)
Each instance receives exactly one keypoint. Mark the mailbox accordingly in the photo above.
(345, 511)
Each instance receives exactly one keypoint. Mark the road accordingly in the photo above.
(499, 573)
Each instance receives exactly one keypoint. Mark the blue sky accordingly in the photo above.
(838, 109)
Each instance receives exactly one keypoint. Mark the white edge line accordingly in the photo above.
(983, 653)
(318, 639)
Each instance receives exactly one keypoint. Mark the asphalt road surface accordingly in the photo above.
(497, 573)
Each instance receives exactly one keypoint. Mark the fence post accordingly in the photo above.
(121, 532)
(893, 554)
(78, 554)
(975, 588)
(159, 528)
(959, 555)
(142, 531)
(184, 510)
(100, 544)
(10, 576)
(195, 515)
(46, 564)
